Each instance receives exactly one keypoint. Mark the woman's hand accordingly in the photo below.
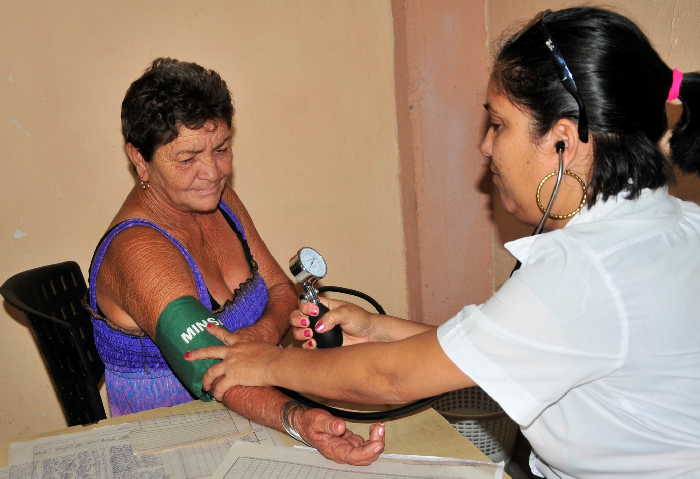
(334, 441)
(356, 323)
(245, 363)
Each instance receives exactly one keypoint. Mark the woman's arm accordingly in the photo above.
(326, 433)
(283, 299)
(370, 373)
(143, 273)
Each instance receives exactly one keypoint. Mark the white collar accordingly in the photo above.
(520, 248)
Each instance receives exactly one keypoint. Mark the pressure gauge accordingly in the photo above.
(307, 264)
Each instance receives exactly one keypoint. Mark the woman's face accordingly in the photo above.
(192, 170)
(515, 160)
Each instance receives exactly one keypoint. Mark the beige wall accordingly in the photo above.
(313, 82)
(441, 76)
(316, 155)
(671, 25)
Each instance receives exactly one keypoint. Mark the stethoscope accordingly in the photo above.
(560, 146)
(308, 266)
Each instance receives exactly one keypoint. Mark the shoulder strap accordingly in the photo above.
(231, 216)
(106, 240)
(237, 227)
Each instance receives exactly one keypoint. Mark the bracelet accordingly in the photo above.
(287, 424)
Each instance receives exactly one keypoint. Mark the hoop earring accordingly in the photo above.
(144, 184)
(581, 183)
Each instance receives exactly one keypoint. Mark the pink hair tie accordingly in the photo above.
(675, 90)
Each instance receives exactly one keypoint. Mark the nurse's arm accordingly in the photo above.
(367, 373)
(371, 373)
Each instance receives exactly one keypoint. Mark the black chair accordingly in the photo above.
(51, 297)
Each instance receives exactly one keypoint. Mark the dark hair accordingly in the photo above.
(623, 84)
(169, 94)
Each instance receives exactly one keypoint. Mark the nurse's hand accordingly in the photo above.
(243, 363)
(356, 323)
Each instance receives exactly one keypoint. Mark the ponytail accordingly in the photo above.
(685, 139)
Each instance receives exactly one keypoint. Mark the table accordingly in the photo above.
(423, 433)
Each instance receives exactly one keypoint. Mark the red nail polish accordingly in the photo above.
(305, 323)
(307, 333)
(210, 325)
(313, 310)
(186, 355)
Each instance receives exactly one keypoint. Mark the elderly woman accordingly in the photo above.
(181, 253)
(592, 346)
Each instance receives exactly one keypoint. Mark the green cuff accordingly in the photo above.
(182, 327)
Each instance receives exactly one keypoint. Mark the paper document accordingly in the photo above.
(107, 452)
(251, 461)
(195, 445)
(200, 461)
(155, 435)
(99, 453)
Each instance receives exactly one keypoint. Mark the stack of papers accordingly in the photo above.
(211, 444)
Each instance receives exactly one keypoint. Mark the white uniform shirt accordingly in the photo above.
(593, 346)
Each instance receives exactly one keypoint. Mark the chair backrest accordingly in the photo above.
(51, 297)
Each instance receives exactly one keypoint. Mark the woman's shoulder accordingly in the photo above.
(135, 230)
(231, 199)
(130, 209)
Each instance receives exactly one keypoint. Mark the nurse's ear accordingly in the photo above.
(577, 155)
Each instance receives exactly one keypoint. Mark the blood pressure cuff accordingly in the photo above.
(182, 327)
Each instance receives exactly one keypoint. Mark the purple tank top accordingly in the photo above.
(136, 374)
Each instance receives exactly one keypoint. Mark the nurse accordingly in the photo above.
(593, 345)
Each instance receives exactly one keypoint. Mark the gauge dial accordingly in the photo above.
(312, 262)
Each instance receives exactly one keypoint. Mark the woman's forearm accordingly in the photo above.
(275, 321)
(370, 373)
(259, 404)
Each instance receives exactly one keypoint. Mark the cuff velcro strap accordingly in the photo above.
(182, 327)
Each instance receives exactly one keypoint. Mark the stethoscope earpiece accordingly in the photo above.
(560, 146)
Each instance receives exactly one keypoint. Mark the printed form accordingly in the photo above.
(108, 452)
(205, 444)
(157, 435)
(251, 461)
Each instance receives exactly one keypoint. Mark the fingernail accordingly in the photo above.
(380, 430)
(210, 325)
(313, 309)
(320, 327)
(307, 333)
(186, 355)
(309, 343)
(305, 322)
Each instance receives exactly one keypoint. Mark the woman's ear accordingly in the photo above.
(136, 159)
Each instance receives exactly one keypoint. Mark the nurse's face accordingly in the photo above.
(517, 160)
